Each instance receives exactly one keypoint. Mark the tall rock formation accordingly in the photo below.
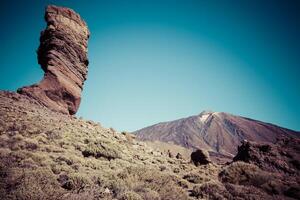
(62, 55)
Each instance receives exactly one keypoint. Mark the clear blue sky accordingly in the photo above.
(153, 61)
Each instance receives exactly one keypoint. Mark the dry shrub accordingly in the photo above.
(53, 135)
(64, 159)
(248, 181)
(58, 169)
(129, 137)
(18, 142)
(102, 148)
(90, 193)
(117, 186)
(195, 178)
(130, 195)
(210, 190)
(242, 192)
(148, 194)
(242, 173)
(289, 188)
(29, 184)
(77, 182)
(148, 183)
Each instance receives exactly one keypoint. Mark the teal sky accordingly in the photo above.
(154, 61)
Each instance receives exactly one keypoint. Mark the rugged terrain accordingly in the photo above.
(48, 153)
(217, 132)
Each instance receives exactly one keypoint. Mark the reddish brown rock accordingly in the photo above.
(267, 168)
(62, 55)
(281, 157)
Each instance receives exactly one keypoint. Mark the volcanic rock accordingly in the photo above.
(282, 157)
(200, 157)
(62, 55)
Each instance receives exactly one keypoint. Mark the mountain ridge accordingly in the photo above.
(214, 131)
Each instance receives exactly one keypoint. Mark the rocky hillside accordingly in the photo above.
(214, 131)
(50, 155)
(47, 153)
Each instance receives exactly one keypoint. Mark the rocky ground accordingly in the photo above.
(49, 155)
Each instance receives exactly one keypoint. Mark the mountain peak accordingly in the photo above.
(214, 131)
(205, 112)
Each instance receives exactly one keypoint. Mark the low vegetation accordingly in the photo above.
(47, 155)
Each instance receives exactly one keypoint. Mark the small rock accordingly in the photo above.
(179, 156)
(170, 154)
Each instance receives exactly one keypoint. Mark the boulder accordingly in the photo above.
(62, 55)
(200, 157)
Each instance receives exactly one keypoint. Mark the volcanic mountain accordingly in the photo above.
(46, 152)
(217, 132)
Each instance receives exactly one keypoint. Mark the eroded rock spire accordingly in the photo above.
(62, 55)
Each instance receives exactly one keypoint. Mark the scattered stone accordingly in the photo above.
(179, 156)
(170, 154)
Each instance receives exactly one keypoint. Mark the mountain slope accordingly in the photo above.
(214, 131)
(50, 155)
